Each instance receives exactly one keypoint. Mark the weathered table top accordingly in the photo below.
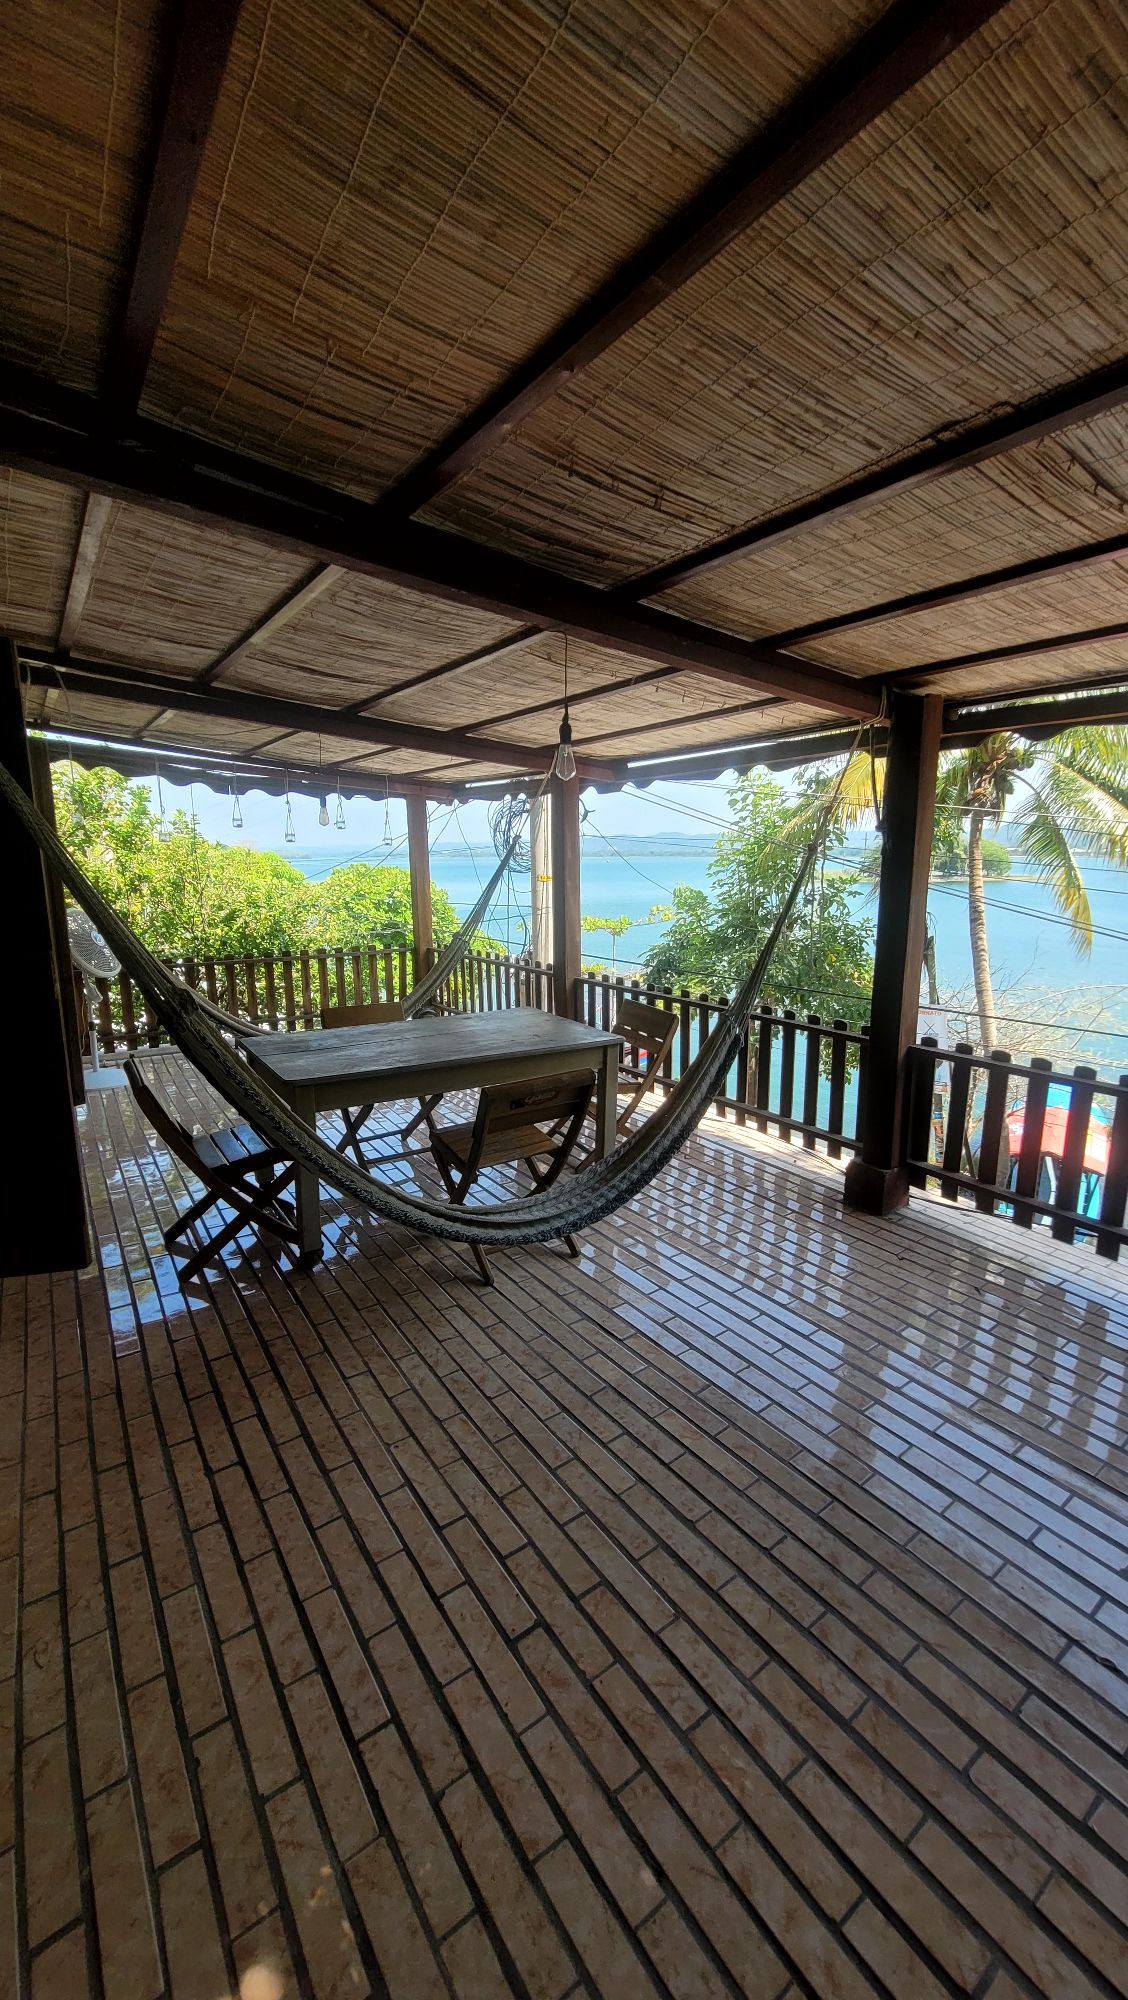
(400, 1048)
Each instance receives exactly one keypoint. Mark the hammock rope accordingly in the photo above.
(568, 1207)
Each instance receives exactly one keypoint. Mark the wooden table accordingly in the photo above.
(333, 1069)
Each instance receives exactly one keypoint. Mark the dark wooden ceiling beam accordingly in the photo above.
(55, 433)
(137, 686)
(991, 656)
(203, 41)
(1038, 569)
(96, 516)
(908, 41)
(1034, 719)
(1074, 403)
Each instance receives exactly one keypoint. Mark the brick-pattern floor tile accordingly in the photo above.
(741, 1609)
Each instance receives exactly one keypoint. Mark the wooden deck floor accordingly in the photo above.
(741, 1610)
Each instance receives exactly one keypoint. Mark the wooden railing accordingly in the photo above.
(1022, 1139)
(800, 1076)
(797, 1075)
(486, 980)
(283, 990)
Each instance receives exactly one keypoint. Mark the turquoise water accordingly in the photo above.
(1038, 974)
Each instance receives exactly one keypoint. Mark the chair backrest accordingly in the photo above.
(163, 1121)
(646, 1027)
(365, 1014)
(557, 1101)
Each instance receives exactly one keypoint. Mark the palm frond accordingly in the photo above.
(1041, 828)
(1087, 771)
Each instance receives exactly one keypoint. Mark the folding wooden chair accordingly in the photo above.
(239, 1172)
(648, 1032)
(509, 1125)
(364, 1014)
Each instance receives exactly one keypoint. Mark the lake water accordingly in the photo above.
(1038, 974)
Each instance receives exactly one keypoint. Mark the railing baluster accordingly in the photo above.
(211, 984)
(1072, 1170)
(252, 988)
(324, 999)
(289, 996)
(128, 1018)
(836, 1110)
(307, 990)
(719, 1104)
(957, 1118)
(811, 1078)
(922, 1090)
(271, 992)
(1029, 1170)
(863, 1082)
(787, 1066)
(991, 1129)
(1114, 1200)
(765, 1019)
(230, 986)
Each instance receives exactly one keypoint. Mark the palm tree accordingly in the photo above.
(1064, 797)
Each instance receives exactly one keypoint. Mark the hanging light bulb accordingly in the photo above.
(323, 811)
(236, 806)
(339, 821)
(564, 762)
(289, 835)
(389, 837)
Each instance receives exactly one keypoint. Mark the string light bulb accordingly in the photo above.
(288, 834)
(564, 762)
(339, 821)
(323, 811)
(236, 805)
(389, 836)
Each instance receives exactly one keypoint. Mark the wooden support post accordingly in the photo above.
(565, 841)
(540, 865)
(877, 1179)
(419, 862)
(66, 984)
(43, 1215)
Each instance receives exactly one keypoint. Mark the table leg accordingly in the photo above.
(304, 1104)
(607, 1105)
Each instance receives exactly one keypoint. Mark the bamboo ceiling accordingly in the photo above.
(375, 230)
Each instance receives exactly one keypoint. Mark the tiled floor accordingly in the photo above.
(741, 1610)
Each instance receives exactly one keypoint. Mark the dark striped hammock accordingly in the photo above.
(571, 1205)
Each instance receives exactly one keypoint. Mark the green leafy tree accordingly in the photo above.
(824, 959)
(110, 828)
(362, 903)
(612, 927)
(188, 897)
(200, 899)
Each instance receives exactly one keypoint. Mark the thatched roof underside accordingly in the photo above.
(392, 210)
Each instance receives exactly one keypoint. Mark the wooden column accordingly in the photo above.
(540, 868)
(43, 1213)
(876, 1179)
(41, 791)
(565, 844)
(419, 862)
